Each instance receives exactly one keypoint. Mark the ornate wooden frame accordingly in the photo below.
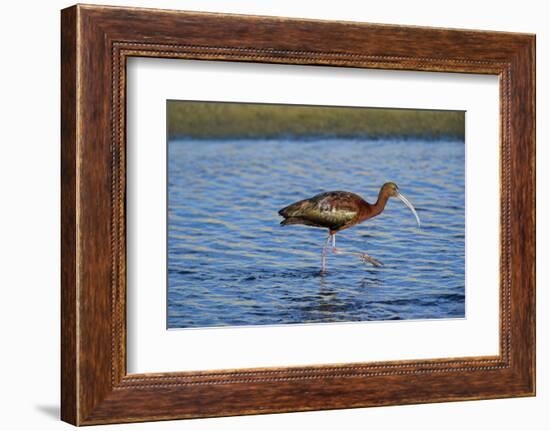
(96, 41)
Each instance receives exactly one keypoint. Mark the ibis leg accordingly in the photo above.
(324, 254)
(363, 256)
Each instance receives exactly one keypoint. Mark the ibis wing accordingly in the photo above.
(332, 209)
(335, 209)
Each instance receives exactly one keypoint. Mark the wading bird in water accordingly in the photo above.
(337, 211)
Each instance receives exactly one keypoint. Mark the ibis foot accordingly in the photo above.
(369, 259)
(363, 256)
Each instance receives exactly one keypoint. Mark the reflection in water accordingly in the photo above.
(230, 263)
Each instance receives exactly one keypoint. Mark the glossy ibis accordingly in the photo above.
(339, 210)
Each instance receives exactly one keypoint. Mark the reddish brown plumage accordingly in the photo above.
(335, 210)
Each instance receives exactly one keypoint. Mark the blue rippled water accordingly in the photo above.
(231, 263)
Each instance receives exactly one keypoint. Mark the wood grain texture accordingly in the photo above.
(69, 397)
(96, 41)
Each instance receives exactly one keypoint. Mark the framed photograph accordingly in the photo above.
(264, 214)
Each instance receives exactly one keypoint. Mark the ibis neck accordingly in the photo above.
(380, 204)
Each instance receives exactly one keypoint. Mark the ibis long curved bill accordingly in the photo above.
(409, 205)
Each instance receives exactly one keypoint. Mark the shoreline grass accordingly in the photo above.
(223, 120)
